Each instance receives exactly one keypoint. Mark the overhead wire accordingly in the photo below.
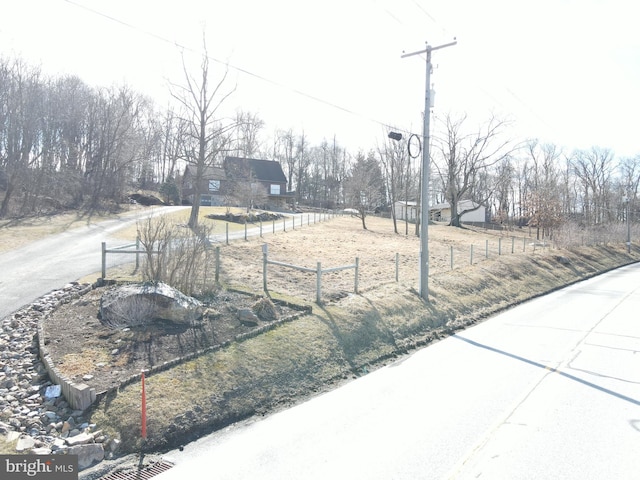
(506, 88)
(242, 70)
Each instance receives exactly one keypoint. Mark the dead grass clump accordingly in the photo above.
(265, 309)
(82, 363)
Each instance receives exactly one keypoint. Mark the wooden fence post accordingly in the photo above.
(486, 249)
(245, 231)
(217, 264)
(355, 288)
(397, 266)
(471, 256)
(451, 255)
(318, 283)
(227, 232)
(104, 260)
(499, 246)
(260, 228)
(137, 252)
(265, 249)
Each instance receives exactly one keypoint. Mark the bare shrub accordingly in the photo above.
(571, 234)
(175, 254)
(133, 312)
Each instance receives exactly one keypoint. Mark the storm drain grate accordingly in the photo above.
(142, 474)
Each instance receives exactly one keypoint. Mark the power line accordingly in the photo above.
(229, 65)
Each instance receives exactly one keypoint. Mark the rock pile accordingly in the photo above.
(32, 412)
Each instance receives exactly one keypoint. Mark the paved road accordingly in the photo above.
(45, 265)
(36, 269)
(550, 389)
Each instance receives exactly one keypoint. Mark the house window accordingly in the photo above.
(275, 189)
(214, 185)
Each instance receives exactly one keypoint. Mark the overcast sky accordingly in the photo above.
(563, 71)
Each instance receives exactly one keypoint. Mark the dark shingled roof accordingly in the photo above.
(264, 170)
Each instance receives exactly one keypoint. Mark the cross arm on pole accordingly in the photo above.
(430, 48)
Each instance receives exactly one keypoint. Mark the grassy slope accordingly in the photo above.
(338, 341)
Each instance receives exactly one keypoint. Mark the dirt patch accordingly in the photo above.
(88, 351)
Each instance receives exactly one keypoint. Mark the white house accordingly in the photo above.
(442, 212)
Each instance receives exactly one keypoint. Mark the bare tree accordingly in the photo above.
(243, 186)
(543, 203)
(630, 180)
(247, 131)
(20, 125)
(205, 135)
(302, 156)
(465, 159)
(593, 169)
(365, 189)
(504, 191)
(286, 140)
(114, 143)
(393, 156)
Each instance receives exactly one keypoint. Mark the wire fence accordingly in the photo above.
(394, 259)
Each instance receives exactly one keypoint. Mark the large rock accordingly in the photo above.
(138, 304)
(88, 454)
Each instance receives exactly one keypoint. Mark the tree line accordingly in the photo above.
(68, 145)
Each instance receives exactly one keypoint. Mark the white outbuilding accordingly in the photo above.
(442, 212)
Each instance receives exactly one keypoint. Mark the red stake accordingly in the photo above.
(144, 410)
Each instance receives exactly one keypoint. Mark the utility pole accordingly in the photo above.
(424, 190)
(627, 199)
